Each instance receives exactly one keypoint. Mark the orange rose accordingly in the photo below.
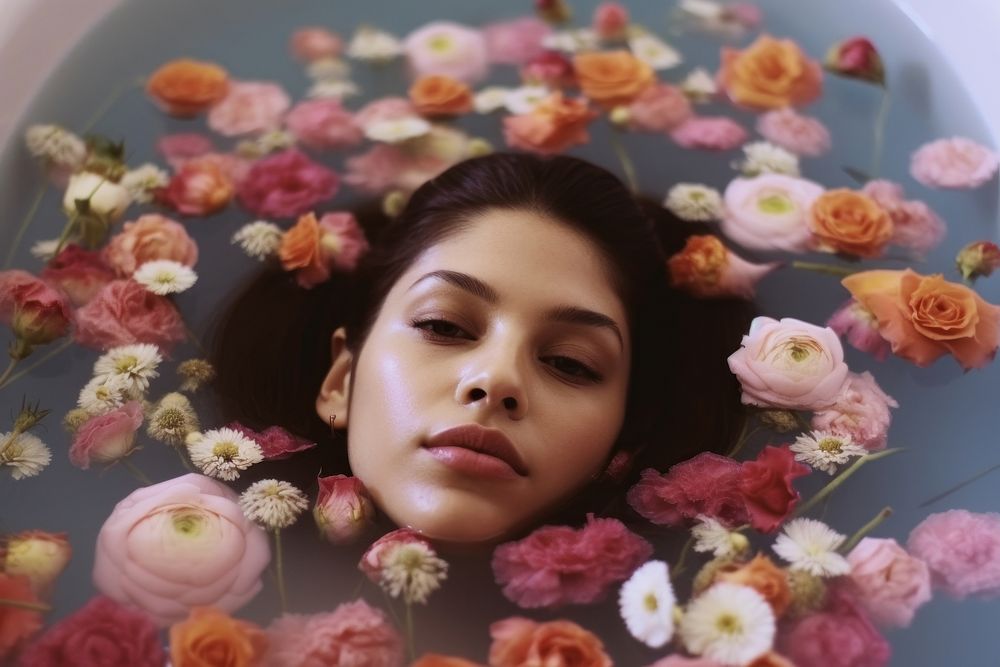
(925, 317)
(764, 577)
(770, 74)
(517, 640)
(706, 268)
(850, 222)
(611, 78)
(436, 660)
(211, 638)
(185, 87)
(552, 127)
(438, 95)
(301, 249)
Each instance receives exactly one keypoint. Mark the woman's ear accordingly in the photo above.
(335, 392)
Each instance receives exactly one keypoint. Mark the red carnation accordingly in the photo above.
(766, 485)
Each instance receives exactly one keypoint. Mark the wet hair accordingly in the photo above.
(273, 351)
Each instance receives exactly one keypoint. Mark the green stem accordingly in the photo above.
(823, 268)
(138, 474)
(840, 479)
(279, 571)
(627, 166)
(410, 647)
(883, 514)
(65, 234)
(25, 223)
(677, 569)
(183, 457)
(23, 604)
(744, 439)
(959, 486)
(194, 339)
(879, 142)
(4, 381)
(105, 106)
(10, 369)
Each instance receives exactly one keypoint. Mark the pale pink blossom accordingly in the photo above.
(517, 41)
(890, 583)
(36, 312)
(323, 124)
(443, 47)
(860, 327)
(795, 132)
(343, 509)
(610, 20)
(715, 133)
(769, 212)
(860, 411)
(953, 163)
(181, 147)
(962, 550)
(384, 167)
(838, 636)
(249, 107)
(315, 43)
(106, 438)
(125, 312)
(342, 240)
(914, 224)
(149, 237)
(659, 108)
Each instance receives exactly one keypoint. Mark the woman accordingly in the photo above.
(509, 353)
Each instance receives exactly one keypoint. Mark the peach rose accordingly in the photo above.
(519, 641)
(149, 237)
(706, 268)
(766, 578)
(186, 87)
(611, 78)
(770, 74)
(849, 222)
(553, 126)
(211, 637)
(925, 317)
(440, 95)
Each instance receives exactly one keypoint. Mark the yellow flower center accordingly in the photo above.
(650, 602)
(226, 450)
(188, 523)
(830, 445)
(126, 364)
(729, 624)
(440, 43)
(775, 204)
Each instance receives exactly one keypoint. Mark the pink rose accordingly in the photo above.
(77, 272)
(125, 312)
(352, 634)
(557, 565)
(860, 411)
(706, 484)
(275, 442)
(802, 135)
(442, 47)
(659, 108)
(102, 632)
(962, 550)
(770, 212)
(249, 107)
(914, 224)
(180, 544)
(856, 58)
(890, 583)
(549, 68)
(106, 438)
(315, 43)
(202, 186)
(714, 133)
(610, 20)
(517, 41)
(766, 487)
(150, 237)
(323, 124)
(859, 326)
(371, 563)
(286, 184)
(953, 163)
(37, 313)
(839, 636)
(342, 509)
(181, 147)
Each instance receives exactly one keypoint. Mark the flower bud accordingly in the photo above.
(978, 259)
(93, 195)
(342, 509)
(38, 555)
(610, 20)
(75, 418)
(856, 58)
(619, 116)
(37, 313)
(393, 203)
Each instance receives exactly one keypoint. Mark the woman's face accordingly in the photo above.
(493, 382)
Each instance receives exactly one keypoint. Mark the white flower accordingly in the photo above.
(702, 9)
(412, 570)
(729, 623)
(372, 44)
(45, 250)
(395, 130)
(653, 51)
(223, 452)
(710, 535)
(811, 545)
(273, 504)
(172, 419)
(136, 364)
(694, 202)
(337, 89)
(525, 98)
(259, 239)
(104, 393)
(24, 453)
(490, 99)
(141, 181)
(165, 276)
(762, 157)
(699, 85)
(582, 39)
(268, 142)
(647, 604)
(329, 69)
(107, 200)
(825, 451)
(57, 145)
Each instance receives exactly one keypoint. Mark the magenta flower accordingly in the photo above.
(962, 550)
(890, 583)
(839, 636)
(706, 484)
(766, 487)
(286, 184)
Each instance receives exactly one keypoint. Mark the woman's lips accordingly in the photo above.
(473, 463)
(474, 449)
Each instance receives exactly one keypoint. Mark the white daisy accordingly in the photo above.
(581, 39)
(172, 419)
(136, 364)
(647, 604)
(372, 44)
(333, 88)
(45, 250)
(490, 99)
(259, 239)
(24, 453)
(141, 181)
(653, 51)
(524, 99)
(104, 393)
(811, 545)
(825, 451)
(710, 535)
(329, 69)
(273, 504)
(165, 276)
(729, 623)
(694, 202)
(763, 157)
(412, 570)
(395, 130)
(56, 145)
(223, 452)
(699, 85)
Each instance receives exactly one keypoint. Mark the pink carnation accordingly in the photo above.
(125, 312)
(856, 323)
(890, 583)
(861, 411)
(249, 107)
(181, 147)
(914, 224)
(517, 41)
(102, 632)
(315, 43)
(839, 636)
(659, 108)
(706, 484)
(352, 634)
(77, 272)
(149, 237)
(286, 184)
(953, 163)
(962, 550)
(274, 441)
(106, 438)
(802, 135)
(558, 565)
(766, 487)
(715, 133)
(323, 124)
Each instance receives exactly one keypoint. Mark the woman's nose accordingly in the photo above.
(493, 381)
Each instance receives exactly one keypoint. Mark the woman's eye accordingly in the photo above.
(573, 368)
(442, 329)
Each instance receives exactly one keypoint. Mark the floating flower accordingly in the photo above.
(124, 312)
(149, 237)
(856, 58)
(286, 184)
(859, 326)
(659, 108)
(181, 147)
(165, 276)
(707, 269)
(802, 135)
(838, 635)
(612, 78)
(646, 602)
(440, 95)
(273, 504)
(195, 373)
(770, 74)
(323, 124)
(38, 555)
(18, 624)
(343, 508)
(978, 259)
(490, 99)
(713, 133)
(694, 202)
(104, 393)
(699, 85)
(517, 41)
(761, 157)
(572, 41)
(106, 438)
(550, 68)
(962, 550)
(249, 107)
(525, 99)
(37, 313)
(223, 453)
(201, 187)
(372, 44)
(812, 545)
(555, 125)
(186, 87)
(259, 239)
(519, 641)
(404, 564)
(610, 20)
(766, 486)
(172, 419)
(705, 485)
(92, 195)
(890, 583)
(275, 442)
(24, 454)
(77, 272)
(397, 130)
(711, 535)
(443, 47)
(142, 182)
(953, 163)
(439, 660)
(653, 51)
(57, 146)
(729, 623)
(315, 248)
(849, 222)
(825, 451)
(212, 637)
(860, 412)
(314, 43)
(762, 575)
(914, 224)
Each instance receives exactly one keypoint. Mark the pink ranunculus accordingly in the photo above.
(181, 147)
(202, 186)
(286, 184)
(443, 47)
(914, 224)
(36, 312)
(315, 43)
(861, 411)
(714, 133)
(102, 632)
(890, 583)
(610, 20)
(149, 237)
(108, 437)
(953, 163)
(838, 636)
(766, 486)
(371, 563)
(249, 107)
(659, 108)
(706, 484)
(962, 550)
(549, 68)
(125, 312)
(795, 132)
(79, 273)
(275, 442)
(323, 124)
(557, 565)
(769, 212)
(789, 364)
(352, 634)
(180, 544)
(516, 41)
(859, 326)
(343, 508)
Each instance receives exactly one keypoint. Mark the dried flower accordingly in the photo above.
(342, 509)
(259, 240)
(24, 453)
(812, 545)
(781, 421)
(223, 453)
(711, 535)
(762, 157)
(978, 259)
(273, 504)
(143, 181)
(164, 276)
(172, 419)
(56, 145)
(729, 623)
(825, 451)
(808, 592)
(856, 58)
(694, 202)
(646, 602)
(103, 393)
(135, 364)
(29, 416)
